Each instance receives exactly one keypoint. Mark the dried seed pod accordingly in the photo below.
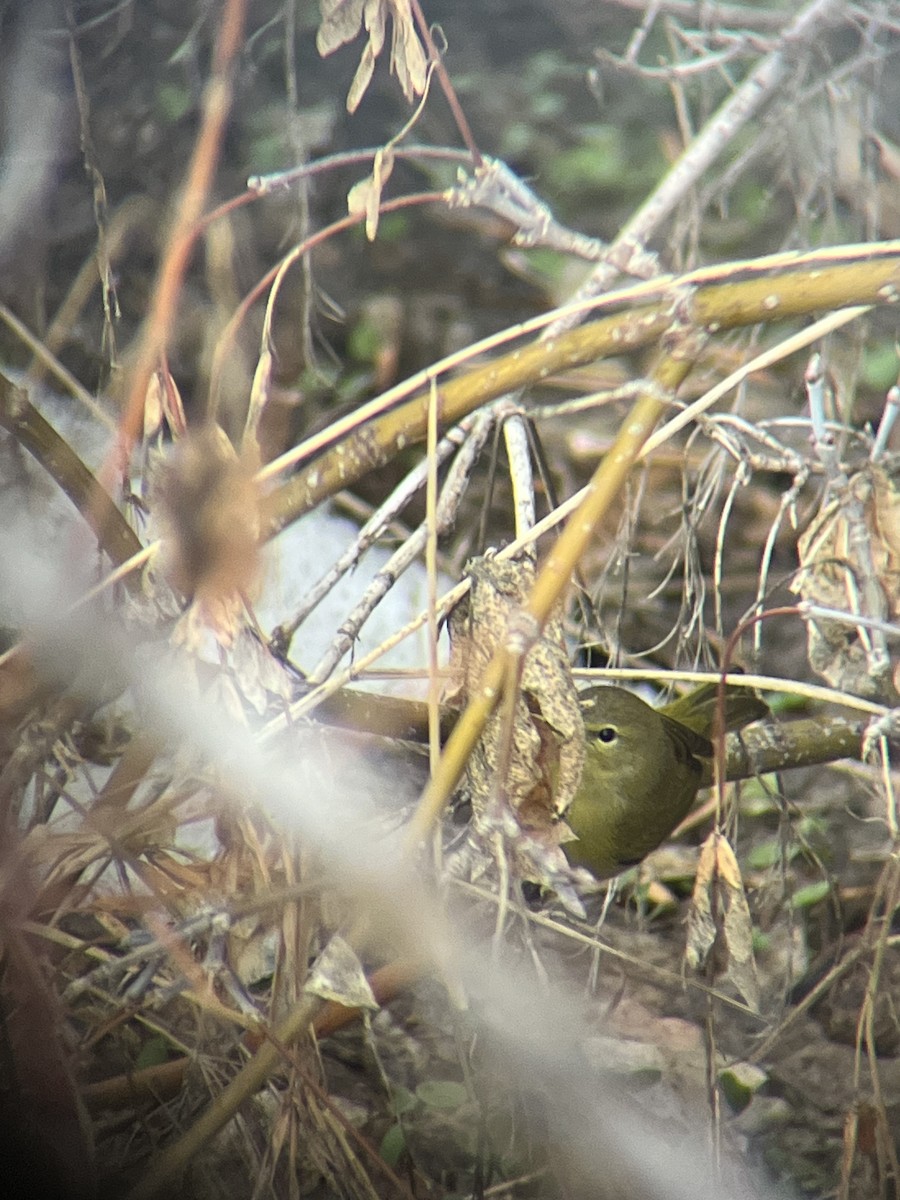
(208, 506)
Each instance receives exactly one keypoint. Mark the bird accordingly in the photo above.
(643, 769)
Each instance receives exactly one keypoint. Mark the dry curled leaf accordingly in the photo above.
(365, 196)
(701, 922)
(260, 394)
(338, 975)
(408, 59)
(886, 529)
(519, 785)
(719, 913)
(153, 407)
(342, 21)
(162, 405)
(838, 561)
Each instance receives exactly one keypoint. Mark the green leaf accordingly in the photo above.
(880, 366)
(403, 1099)
(813, 893)
(442, 1093)
(813, 829)
(762, 942)
(153, 1053)
(759, 795)
(769, 854)
(781, 703)
(598, 162)
(740, 1083)
(393, 1145)
(174, 100)
(364, 341)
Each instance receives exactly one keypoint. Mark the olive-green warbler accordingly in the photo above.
(643, 770)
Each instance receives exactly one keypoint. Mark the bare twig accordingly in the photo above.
(627, 251)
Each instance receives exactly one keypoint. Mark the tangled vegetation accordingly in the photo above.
(374, 375)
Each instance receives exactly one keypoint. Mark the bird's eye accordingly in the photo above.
(607, 734)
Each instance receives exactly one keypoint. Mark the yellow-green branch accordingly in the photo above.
(746, 293)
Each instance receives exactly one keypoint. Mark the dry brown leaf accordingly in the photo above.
(833, 576)
(173, 408)
(547, 756)
(365, 196)
(162, 403)
(408, 61)
(523, 794)
(153, 407)
(342, 21)
(719, 910)
(701, 930)
(338, 975)
(363, 76)
(886, 526)
(260, 393)
(738, 925)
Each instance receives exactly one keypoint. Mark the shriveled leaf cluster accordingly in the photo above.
(342, 20)
(838, 557)
(531, 770)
